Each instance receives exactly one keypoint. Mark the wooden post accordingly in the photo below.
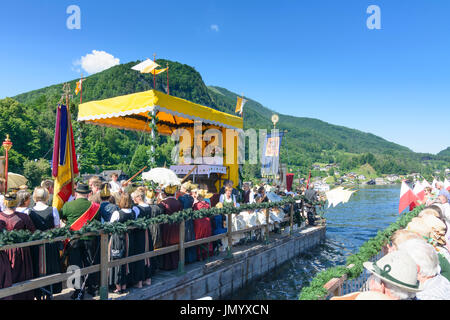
(291, 219)
(104, 266)
(181, 250)
(230, 237)
(267, 226)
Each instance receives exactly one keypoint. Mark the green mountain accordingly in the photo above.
(444, 153)
(29, 118)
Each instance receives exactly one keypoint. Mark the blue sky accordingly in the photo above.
(311, 58)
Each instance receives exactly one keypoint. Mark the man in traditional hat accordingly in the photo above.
(82, 252)
(394, 277)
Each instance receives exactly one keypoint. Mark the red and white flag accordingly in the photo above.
(447, 184)
(419, 190)
(425, 184)
(407, 197)
(433, 184)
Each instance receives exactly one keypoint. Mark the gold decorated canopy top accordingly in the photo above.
(131, 112)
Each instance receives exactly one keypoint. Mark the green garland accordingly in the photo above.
(21, 236)
(368, 250)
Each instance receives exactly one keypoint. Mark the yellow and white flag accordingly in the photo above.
(155, 72)
(79, 86)
(146, 67)
(240, 105)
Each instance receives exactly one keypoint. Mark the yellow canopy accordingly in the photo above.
(131, 112)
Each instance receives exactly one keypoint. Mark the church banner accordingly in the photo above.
(270, 157)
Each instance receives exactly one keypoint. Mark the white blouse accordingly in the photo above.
(116, 215)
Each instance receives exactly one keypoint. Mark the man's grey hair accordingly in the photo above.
(395, 291)
(424, 255)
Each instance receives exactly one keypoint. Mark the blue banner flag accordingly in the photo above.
(270, 157)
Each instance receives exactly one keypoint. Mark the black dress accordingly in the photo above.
(5, 267)
(19, 258)
(46, 258)
(119, 244)
(140, 242)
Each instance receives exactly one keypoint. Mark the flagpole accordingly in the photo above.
(81, 89)
(242, 108)
(66, 89)
(154, 73)
(168, 90)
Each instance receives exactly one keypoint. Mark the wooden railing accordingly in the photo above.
(106, 264)
(342, 286)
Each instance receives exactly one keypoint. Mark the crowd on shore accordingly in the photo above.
(117, 201)
(416, 264)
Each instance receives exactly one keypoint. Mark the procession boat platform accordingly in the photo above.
(221, 276)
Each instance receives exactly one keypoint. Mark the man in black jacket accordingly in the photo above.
(311, 196)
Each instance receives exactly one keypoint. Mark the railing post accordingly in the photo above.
(230, 238)
(182, 249)
(266, 241)
(104, 266)
(292, 219)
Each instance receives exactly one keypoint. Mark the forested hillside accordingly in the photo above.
(29, 118)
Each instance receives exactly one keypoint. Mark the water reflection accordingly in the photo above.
(348, 226)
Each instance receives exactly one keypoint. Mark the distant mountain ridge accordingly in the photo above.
(308, 140)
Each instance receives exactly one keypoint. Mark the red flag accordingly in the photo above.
(407, 197)
(289, 181)
(309, 178)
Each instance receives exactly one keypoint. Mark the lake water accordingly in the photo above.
(349, 225)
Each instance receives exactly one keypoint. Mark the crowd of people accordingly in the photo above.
(110, 202)
(416, 265)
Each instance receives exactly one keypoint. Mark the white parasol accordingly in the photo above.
(162, 176)
(16, 180)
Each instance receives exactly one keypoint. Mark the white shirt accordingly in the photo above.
(436, 288)
(223, 199)
(2, 202)
(115, 186)
(25, 210)
(116, 215)
(42, 206)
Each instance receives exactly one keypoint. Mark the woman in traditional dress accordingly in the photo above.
(155, 229)
(46, 259)
(202, 226)
(170, 232)
(142, 242)
(228, 198)
(107, 203)
(120, 244)
(187, 200)
(19, 258)
(23, 201)
(5, 267)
